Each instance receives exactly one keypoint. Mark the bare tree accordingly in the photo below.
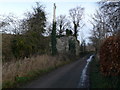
(95, 39)
(106, 22)
(62, 24)
(99, 31)
(111, 12)
(10, 24)
(48, 29)
(76, 15)
(100, 25)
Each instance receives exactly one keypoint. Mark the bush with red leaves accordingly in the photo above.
(110, 56)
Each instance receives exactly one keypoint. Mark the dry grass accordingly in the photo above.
(21, 68)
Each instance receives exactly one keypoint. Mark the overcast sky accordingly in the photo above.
(19, 7)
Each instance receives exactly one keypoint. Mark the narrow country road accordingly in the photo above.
(67, 76)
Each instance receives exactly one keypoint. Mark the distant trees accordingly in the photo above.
(48, 29)
(106, 22)
(62, 24)
(31, 39)
(98, 32)
(10, 24)
(83, 47)
(111, 12)
(76, 15)
(32, 34)
(35, 21)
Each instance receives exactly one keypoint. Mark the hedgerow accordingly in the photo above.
(110, 56)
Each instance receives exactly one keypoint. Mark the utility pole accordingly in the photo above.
(54, 13)
(53, 35)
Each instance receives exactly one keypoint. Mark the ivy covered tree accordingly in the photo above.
(62, 24)
(76, 15)
(53, 39)
(53, 35)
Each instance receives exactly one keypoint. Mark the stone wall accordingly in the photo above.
(63, 45)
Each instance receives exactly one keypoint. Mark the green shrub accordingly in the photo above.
(24, 46)
(6, 47)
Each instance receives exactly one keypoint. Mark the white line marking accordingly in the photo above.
(84, 76)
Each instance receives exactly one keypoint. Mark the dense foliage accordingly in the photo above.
(110, 56)
(31, 41)
(98, 80)
(24, 46)
(32, 35)
(6, 46)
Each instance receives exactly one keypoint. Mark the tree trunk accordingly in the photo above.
(75, 29)
(53, 39)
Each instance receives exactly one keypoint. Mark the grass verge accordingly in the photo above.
(20, 72)
(97, 80)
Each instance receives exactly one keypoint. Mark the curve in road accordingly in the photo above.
(67, 76)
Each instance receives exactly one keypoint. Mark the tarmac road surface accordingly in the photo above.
(67, 76)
